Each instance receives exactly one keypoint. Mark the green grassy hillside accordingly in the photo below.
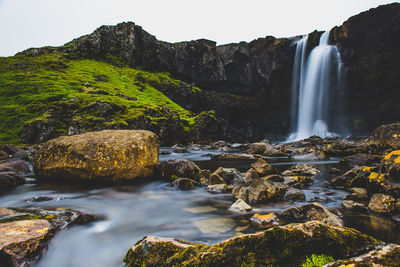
(59, 90)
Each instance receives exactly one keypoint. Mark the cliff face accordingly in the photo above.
(258, 74)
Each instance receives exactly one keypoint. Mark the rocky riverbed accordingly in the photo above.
(298, 193)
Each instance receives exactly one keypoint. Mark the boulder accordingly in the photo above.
(298, 181)
(310, 212)
(102, 155)
(204, 176)
(257, 148)
(381, 203)
(230, 175)
(387, 136)
(388, 255)
(302, 170)
(250, 176)
(14, 165)
(271, 151)
(360, 159)
(20, 240)
(233, 157)
(183, 184)
(264, 221)
(240, 206)
(10, 179)
(359, 193)
(262, 167)
(294, 194)
(259, 191)
(219, 188)
(279, 246)
(352, 205)
(216, 179)
(179, 168)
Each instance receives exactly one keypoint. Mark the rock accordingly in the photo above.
(174, 168)
(271, 151)
(215, 225)
(103, 155)
(260, 191)
(298, 181)
(216, 179)
(183, 184)
(219, 188)
(388, 255)
(357, 177)
(240, 206)
(204, 176)
(206, 128)
(390, 165)
(14, 165)
(250, 176)
(233, 157)
(381, 203)
(230, 175)
(10, 179)
(3, 155)
(262, 167)
(294, 194)
(359, 193)
(296, 240)
(310, 212)
(273, 178)
(21, 155)
(360, 159)
(314, 155)
(264, 221)
(387, 136)
(181, 150)
(9, 149)
(302, 170)
(257, 148)
(21, 240)
(352, 205)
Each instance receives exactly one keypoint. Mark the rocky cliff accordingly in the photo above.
(248, 84)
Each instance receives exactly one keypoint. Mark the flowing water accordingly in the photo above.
(151, 207)
(316, 90)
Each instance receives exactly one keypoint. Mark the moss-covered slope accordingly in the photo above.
(54, 94)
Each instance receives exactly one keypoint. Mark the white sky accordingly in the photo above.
(36, 23)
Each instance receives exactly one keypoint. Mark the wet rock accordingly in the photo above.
(310, 212)
(273, 178)
(3, 155)
(250, 176)
(359, 193)
(259, 191)
(381, 203)
(40, 199)
(264, 221)
(103, 155)
(233, 157)
(22, 240)
(271, 151)
(358, 177)
(174, 168)
(298, 181)
(352, 205)
(262, 167)
(10, 179)
(257, 148)
(314, 155)
(297, 240)
(294, 194)
(9, 149)
(183, 184)
(387, 136)
(181, 150)
(390, 165)
(215, 225)
(216, 179)
(240, 206)
(14, 165)
(21, 155)
(388, 255)
(231, 176)
(302, 170)
(360, 159)
(204, 176)
(219, 188)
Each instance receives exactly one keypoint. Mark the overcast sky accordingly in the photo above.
(36, 23)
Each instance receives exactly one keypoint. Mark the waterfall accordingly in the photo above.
(315, 90)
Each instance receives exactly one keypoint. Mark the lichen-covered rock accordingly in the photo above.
(279, 246)
(302, 170)
(179, 168)
(183, 184)
(103, 155)
(360, 159)
(388, 135)
(298, 181)
(22, 239)
(240, 206)
(390, 165)
(381, 203)
(388, 255)
(310, 212)
(259, 191)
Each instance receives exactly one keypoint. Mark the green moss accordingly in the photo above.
(64, 88)
(317, 260)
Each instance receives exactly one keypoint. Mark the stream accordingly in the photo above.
(151, 207)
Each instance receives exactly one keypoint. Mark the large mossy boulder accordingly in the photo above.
(102, 155)
(388, 135)
(287, 245)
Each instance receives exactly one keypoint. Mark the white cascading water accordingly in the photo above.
(314, 80)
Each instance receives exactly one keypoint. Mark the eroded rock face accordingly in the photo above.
(103, 155)
(279, 246)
